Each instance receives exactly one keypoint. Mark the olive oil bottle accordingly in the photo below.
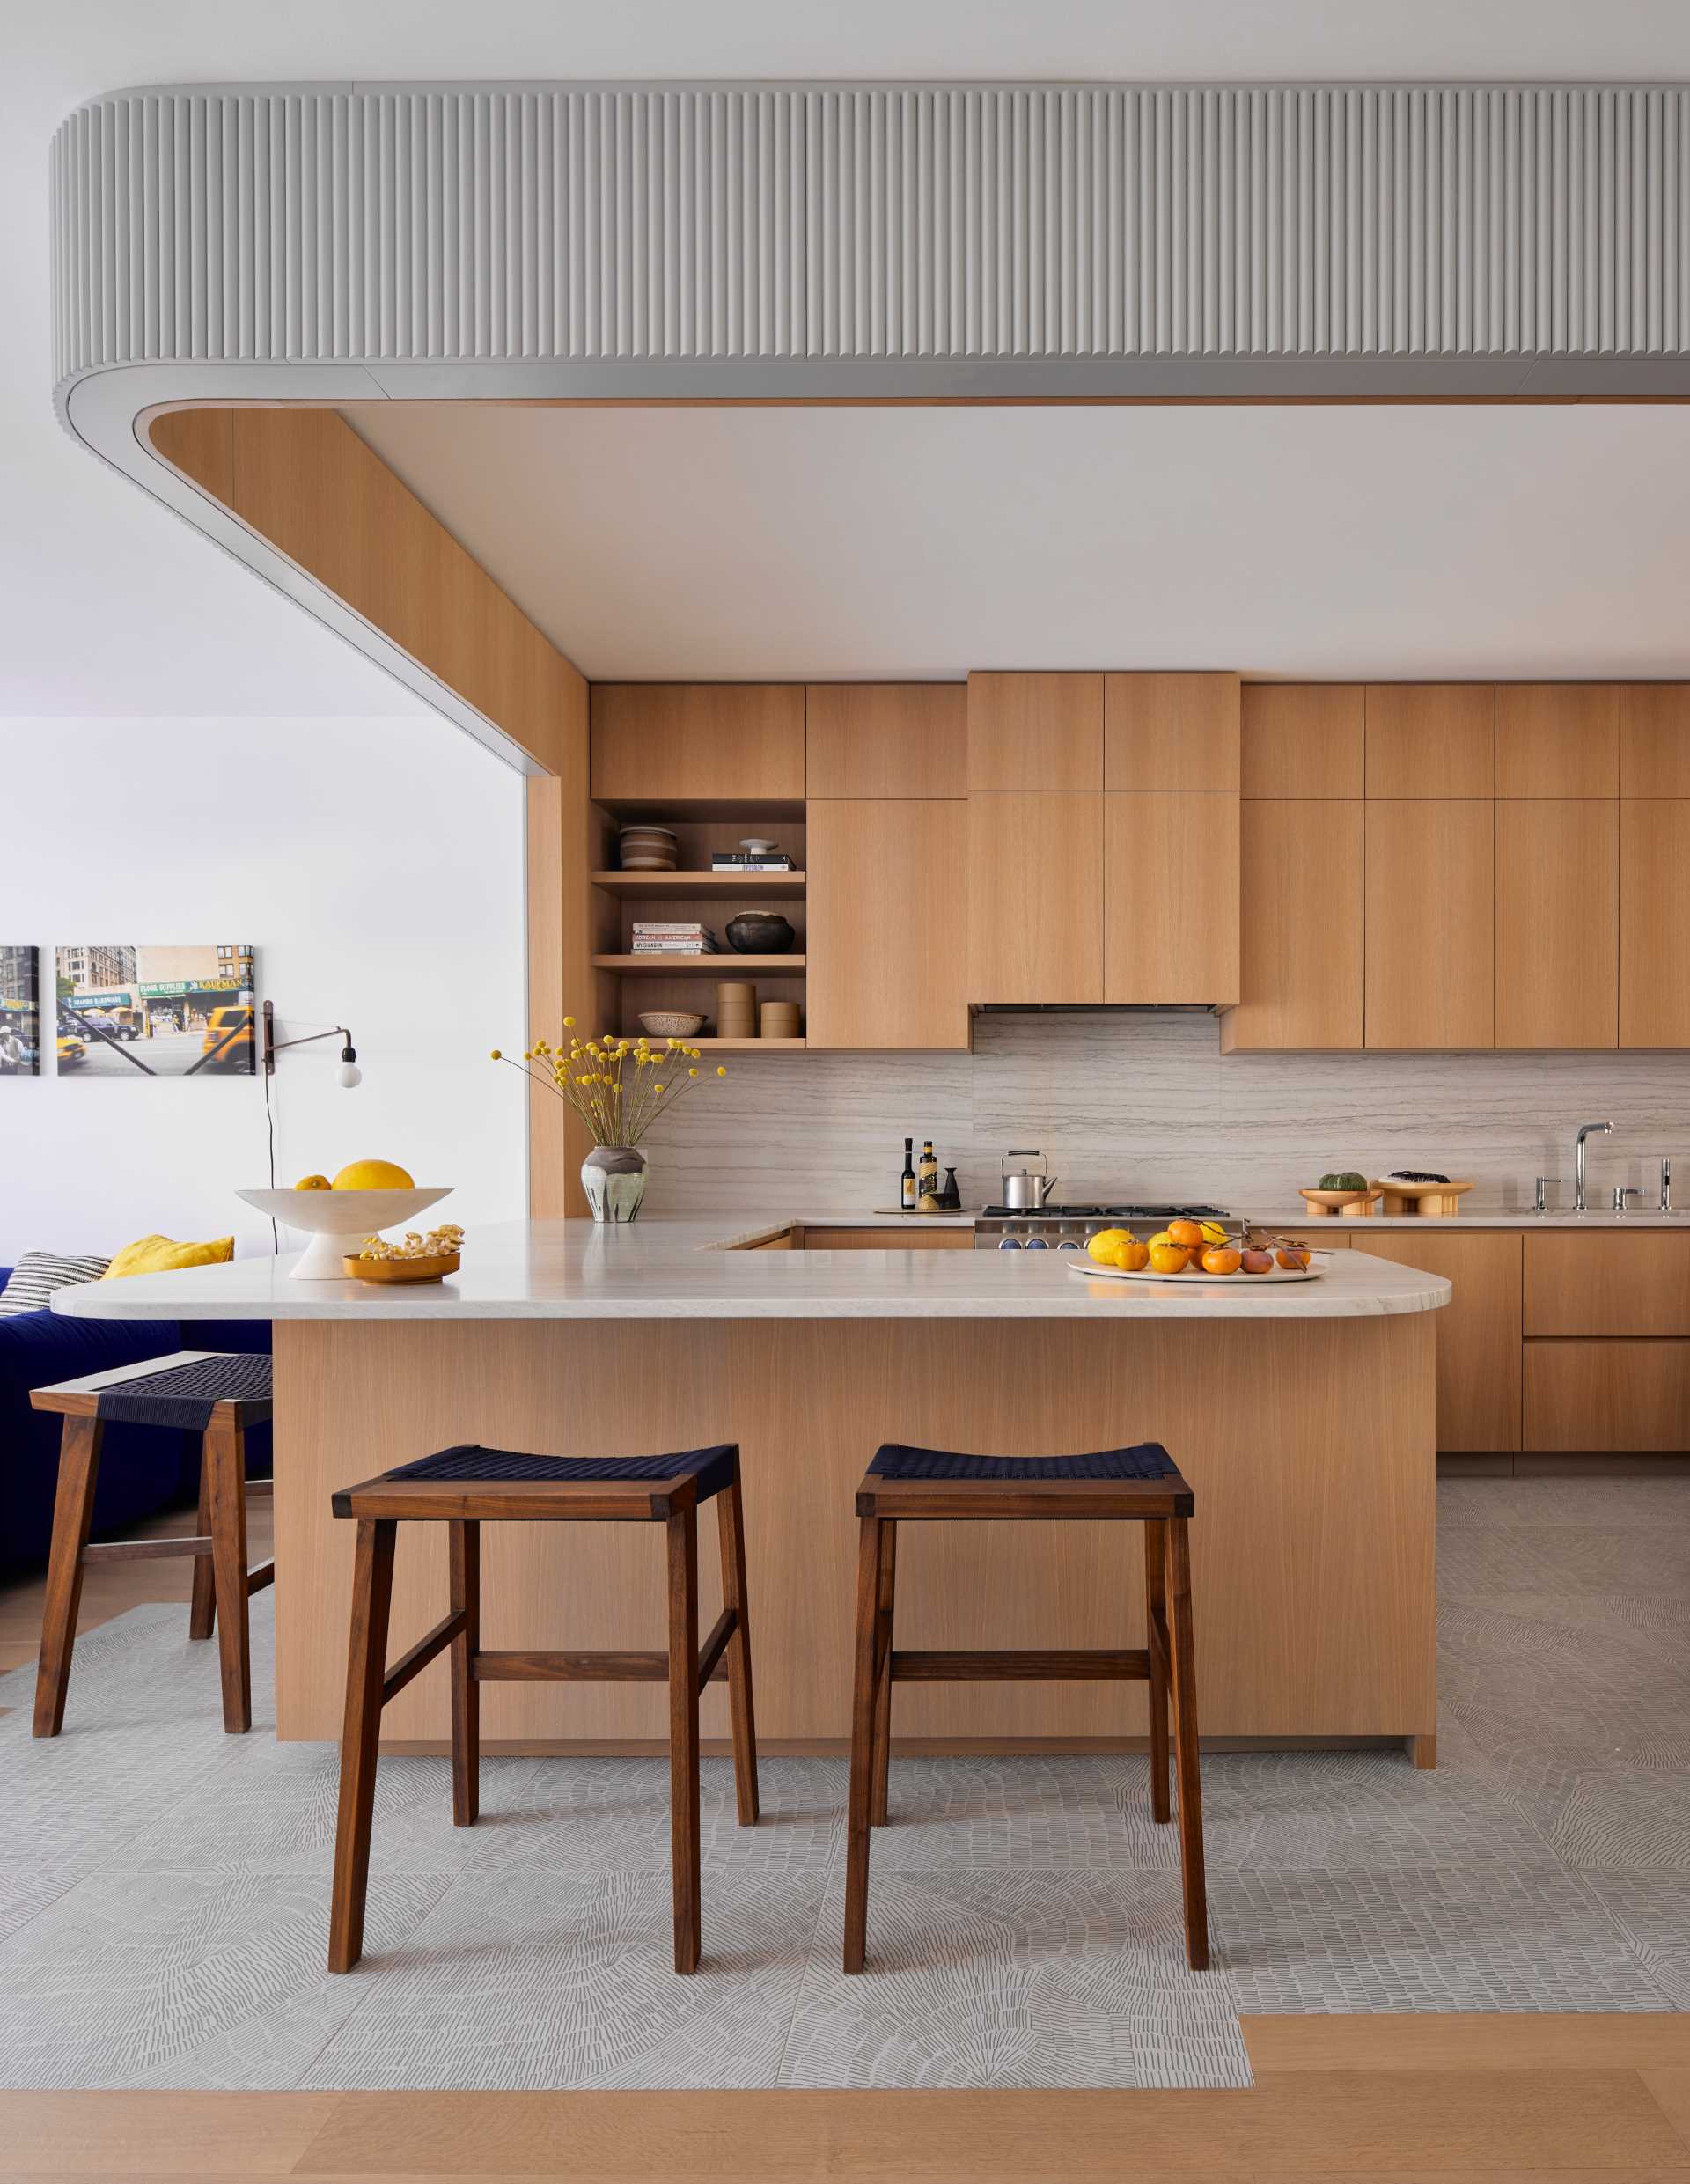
(927, 1180)
(907, 1182)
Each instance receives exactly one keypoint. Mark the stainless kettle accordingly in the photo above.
(1025, 1189)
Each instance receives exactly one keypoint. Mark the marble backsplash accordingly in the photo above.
(1146, 1106)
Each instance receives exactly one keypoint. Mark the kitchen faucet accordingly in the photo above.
(1585, 1129)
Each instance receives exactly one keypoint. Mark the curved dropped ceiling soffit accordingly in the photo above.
(344, 243)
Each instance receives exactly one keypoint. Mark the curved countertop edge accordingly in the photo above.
(666, 1269)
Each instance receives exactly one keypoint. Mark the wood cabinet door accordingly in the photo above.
(1169, 898)
(1557, 739)
(885, 923)
(1170, 731)
(1035, 732)
(1300, 911)
(1607, 1398)
(1655, 924)
(1655, 738)
(1302, 738)
(1431, 739)
(1478, 1331)
(1609, 1281)
(1557, 922)
(1431, 877)
(734, 743)
(886, 738)
(887, 1240)
(1035, 898)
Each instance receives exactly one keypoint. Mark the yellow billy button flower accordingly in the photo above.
(657, 1088)
(720, 1071)
(496, 1056)
(692, 1072)
(569, 1023)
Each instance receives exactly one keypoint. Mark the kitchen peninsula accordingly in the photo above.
(1302, 1415)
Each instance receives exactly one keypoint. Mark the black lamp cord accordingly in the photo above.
(269, 1124)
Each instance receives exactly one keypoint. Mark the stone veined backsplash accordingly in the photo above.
(1146, 1105)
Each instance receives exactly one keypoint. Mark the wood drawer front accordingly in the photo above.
(888, 1239)
(1608, 1284)
(723, 742)
(886, 738)
(1478, 1331)
(1607, 1398)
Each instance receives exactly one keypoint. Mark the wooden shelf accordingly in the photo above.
(714, 885)
(738, 1046)
(719, 966)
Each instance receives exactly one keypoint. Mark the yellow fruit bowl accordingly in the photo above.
(431, 1269)
(338, 1221)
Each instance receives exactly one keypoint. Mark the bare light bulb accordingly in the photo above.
(349, 1074)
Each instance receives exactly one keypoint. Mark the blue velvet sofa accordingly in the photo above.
(142, 1469)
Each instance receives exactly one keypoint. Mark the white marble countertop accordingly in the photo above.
(677, 1269)
(1594, 1219)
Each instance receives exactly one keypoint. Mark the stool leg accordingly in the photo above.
(1155, 1624)
(883, 1689)
(203, 1598)
(463, 1556)
(366, 1670)
(862, 1707)
(73, 1510)
(731, 1530)
(683, 1734)
(1185, 1746)
(225, 1463)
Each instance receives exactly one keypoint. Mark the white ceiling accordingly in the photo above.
(1418, 542)
(107, 606)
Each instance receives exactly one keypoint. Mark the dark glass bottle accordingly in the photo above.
(906, 1185)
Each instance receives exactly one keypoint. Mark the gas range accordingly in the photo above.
(1065, 1228)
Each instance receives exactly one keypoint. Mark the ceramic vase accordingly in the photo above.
(613, 1177)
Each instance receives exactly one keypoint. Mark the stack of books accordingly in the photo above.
(681, 937)
(744, 861)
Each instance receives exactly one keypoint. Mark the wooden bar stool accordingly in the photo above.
(919, 1484)
(468, 1486)
(210, 1392)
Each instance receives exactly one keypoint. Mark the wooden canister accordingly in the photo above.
(779, 1019)
(736, 1010)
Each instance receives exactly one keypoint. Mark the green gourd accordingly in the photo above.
(1343, 1179)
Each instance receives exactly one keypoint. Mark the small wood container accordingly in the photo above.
(779, 1019)
(736, 1010)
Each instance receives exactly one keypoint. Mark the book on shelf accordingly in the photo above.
(672, 947)
(689, 928)
(753, 864)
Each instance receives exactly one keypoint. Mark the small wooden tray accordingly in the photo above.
(1432, 1201)
(403, 1269)
(1354, 1205)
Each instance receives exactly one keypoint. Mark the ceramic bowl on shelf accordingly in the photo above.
(760, 932)
(648, 848)
(670, 1023)
(338, 1221)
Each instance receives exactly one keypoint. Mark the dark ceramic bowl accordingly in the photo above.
(760, 932)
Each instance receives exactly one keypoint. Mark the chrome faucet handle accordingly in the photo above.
(1666, 1184)
(1622, 1193)
(1542, 1202)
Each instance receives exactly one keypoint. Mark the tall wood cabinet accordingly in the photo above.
(888, 888)
(1557, 922)
(1654, 860)
(1431, 969)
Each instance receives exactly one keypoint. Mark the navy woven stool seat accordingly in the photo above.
(205, 1392)
(466, 1486)
(1139, 1484)
(710, 1468)
(1148, 1460)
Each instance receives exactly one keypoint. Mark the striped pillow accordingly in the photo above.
(38, 1274)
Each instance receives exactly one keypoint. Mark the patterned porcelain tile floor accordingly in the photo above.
(162, 1888)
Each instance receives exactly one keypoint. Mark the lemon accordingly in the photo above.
(373, 1175)
(1213, 1233)
(1104, 1245)
(1163, 1241)
(312, 1182)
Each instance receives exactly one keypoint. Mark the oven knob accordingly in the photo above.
(1068, 1244)
(1010, 1243)
(1037, 1243)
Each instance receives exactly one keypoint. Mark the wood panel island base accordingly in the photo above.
(1303, 1420)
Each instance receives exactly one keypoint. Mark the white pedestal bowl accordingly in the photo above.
(338, 1221)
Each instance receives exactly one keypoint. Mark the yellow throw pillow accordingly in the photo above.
(157, 1255)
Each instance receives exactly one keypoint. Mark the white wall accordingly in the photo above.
(377, 867)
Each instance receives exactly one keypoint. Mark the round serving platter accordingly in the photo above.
(1092, 1271)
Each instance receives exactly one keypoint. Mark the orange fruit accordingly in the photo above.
(1190, 1233)
(1132, 1257)
(1168, 1258)
(1221, 1259)
(1255, 1261)
(1292, 1257)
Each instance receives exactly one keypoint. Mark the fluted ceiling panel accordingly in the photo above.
(920, 225)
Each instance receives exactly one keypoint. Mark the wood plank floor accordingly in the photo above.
(1460, 2100)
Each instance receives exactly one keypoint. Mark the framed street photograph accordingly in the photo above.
(20, 1016)
(129, 1013)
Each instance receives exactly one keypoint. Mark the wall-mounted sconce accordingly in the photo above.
(348, 1073)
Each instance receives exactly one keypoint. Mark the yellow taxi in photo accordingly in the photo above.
(228, 1041)
(73, 1052)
